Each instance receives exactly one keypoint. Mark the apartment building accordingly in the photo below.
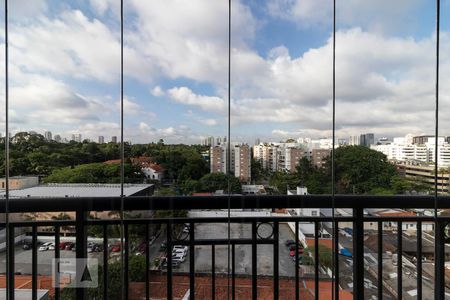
(424, 173)
(318, 157)
(240, 161)
(279, 156)
(420, 148)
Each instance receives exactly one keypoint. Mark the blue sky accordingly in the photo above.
(65, 68)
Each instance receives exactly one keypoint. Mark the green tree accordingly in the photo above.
(219, 181)
(257, 171)
(360, 170)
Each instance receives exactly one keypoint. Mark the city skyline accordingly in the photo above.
(175, 83)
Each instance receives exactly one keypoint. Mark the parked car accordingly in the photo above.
(97, 248)
(45, 246)
(163, 246)
(178, 257)
(69, 245)
(26, 246)
(115, 248)
(289, 242)
(62, 245)
(292, 253)
(292, 247)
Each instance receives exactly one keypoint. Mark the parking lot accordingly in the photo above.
(243, 253)
(22, 260)
(203, 255)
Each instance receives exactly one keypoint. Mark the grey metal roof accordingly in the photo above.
(77, 190)
(24, 294)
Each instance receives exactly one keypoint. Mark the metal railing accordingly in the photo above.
(357, 204)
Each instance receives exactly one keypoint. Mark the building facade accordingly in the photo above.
(240, 161)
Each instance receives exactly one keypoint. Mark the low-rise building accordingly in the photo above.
(19, 182)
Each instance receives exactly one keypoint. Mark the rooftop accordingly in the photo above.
(58, 190)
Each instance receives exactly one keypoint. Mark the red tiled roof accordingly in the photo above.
(325, 242)
(398, 214)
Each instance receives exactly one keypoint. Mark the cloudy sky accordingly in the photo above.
(65, 68)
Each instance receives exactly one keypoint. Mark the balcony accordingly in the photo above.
(244, 255)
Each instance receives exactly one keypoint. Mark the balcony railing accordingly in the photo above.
(358, 219)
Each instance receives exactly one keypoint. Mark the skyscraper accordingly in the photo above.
(57, 138)
(101, 139)
(48, 135)
(76, 137)
(114, 139)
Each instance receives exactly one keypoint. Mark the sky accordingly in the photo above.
(65, 68)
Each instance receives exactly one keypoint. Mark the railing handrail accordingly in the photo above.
(30, 204)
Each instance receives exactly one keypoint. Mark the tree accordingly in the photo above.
(219, 181)
(359, 169)
(257, 171)
(325, 256)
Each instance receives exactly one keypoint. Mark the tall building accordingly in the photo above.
(318, 157)
(114, 139)
(240, 161)
(367, 139)
(76, 137)
(101, 139)
(221, 140)
(354, 140)
(48, 135)
(279, 156)
(58, 138)
(209, 141)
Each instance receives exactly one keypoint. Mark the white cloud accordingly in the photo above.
(184, 95)
(157, 91)
(208, 122)
(380, 15)
(103, 6)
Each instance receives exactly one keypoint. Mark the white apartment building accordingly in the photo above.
(404, 149)
(279, 156)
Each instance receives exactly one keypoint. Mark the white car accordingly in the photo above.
(184, 248)
(179, 258)
(45, 246)
(179, 252)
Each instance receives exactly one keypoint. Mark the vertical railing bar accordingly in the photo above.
(358, 254)
(57, 256)
(213, 272)
(276, 260)
(191, 261)
(126, 246)
(336, 259)
(147, 262)
(297, 275)
(399, 261)
(439, 264)
(254, 263)
(233, 271)
(169, 259)
(34, 263)
(380, 260)
(11, 270)
(316, 260)
(81, 246)
(419, 260)
(105, 261)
